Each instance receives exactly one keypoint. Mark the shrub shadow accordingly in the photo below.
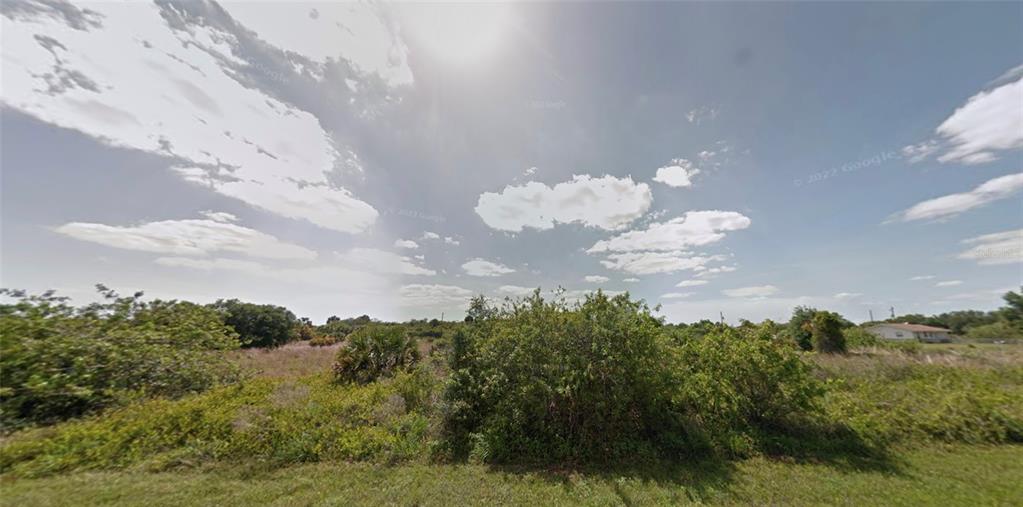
(701, 474)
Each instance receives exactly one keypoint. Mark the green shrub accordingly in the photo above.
(57, 361)
(540, 380)
(259, 325)
(857, 337)
(372, 352)
(733, 390)
(269, 420)
(931, 402)
(999, 331)
(827, 333)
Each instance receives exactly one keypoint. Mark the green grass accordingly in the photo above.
(958, 475)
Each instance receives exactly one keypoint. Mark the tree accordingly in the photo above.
(259, 325)
(800, 328)
(827, 333)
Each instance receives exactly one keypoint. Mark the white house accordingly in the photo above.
(908, 331)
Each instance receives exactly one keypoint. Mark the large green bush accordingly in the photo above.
(57, 361)
(259, 325)
(542, 380)
(827, 333)
(375, 351)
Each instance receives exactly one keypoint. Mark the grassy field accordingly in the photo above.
(954, 475)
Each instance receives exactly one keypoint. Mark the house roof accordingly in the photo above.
(916, 328)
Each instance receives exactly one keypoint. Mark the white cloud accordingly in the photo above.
(529, 172)
(515, 290)
(383, 262)
(848, 295)
(678, 174)
(596, 279)
(211, 264)
(451, 241)
(607, 203)
(998, 248)
(691, 283)
(988, 123)
(949, 283)
(138, 83)
(919, 152)
(701, 114)
(187, 237)
(434, 295)
(406, 243)
(953, 204)
(703, 272)
(676, 295)
(360, 32)
(646, 263)
(219, 216)
(361, 282)
(480, 267)
(430, 235)
(630, 280)
(694, 228)
(751, 292)
(922, 277)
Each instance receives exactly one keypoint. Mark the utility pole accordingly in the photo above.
(442, 316)
(871, 315)
(722, 316)
(893, 312)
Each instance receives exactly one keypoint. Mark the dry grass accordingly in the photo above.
(292, 360)
(868, 360)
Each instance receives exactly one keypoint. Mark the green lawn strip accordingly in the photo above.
(948, 475)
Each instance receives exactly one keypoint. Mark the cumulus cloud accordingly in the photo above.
(630, 280)
(430, 235)
(998, 248)
(691, 283)
(433, 295)
(596, 278)
(139, 76)
(187, 237)
(646, 263)
(406, 243)
(451, 241)
(922, 277)
(988, 123)
(383, 262)
(751, 292)
(949, 283)
(848, 295)
(607, 202)
(694, 228)
(677, 174)
(480, 267)
(951, 205)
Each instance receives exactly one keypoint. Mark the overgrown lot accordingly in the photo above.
(597, 403)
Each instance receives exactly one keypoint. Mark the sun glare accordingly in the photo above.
(458, 34)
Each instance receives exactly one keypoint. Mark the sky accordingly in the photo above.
(727, 159)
